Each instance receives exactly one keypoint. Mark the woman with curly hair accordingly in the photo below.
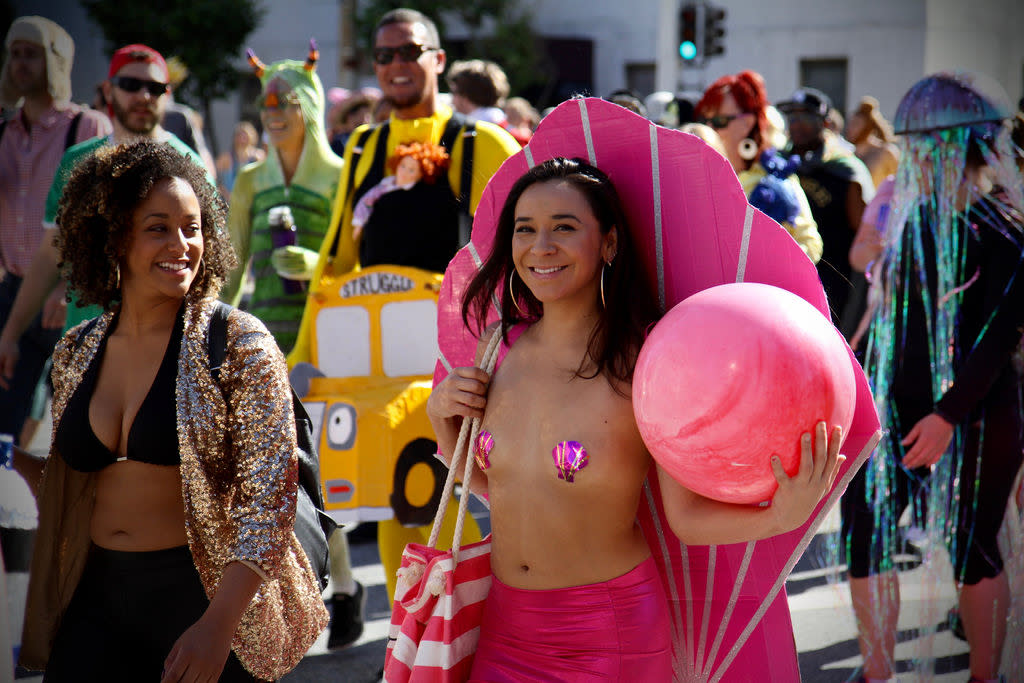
(165, 548)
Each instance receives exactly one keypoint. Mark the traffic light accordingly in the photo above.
(714, 31)
(688, 32)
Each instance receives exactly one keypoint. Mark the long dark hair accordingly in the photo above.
(629, 304)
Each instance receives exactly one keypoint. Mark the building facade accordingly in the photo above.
(849, 49)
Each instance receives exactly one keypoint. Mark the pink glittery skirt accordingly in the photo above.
(612, 631)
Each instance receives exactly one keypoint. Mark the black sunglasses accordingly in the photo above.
(409, 52)
(131, 84)
(720, 121)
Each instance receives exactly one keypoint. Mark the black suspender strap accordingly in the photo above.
(69, 139)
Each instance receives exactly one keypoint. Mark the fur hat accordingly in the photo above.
(60, 53)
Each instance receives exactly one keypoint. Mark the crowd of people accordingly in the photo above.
(174, 557)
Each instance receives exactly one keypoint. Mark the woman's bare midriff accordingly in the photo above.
(138, 507)
(548, 532)
(550, 546)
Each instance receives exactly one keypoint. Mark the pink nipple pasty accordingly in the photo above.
(570, 457)
(484, 444)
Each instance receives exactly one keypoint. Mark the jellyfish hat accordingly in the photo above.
(730, 615)
(940, 118)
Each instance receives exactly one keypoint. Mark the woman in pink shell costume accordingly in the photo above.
(578, 593)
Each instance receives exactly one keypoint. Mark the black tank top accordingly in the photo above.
(153, 436)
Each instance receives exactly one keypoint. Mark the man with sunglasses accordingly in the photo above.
(838, 186)
(36, 72)
(420, 227)
(136, 94)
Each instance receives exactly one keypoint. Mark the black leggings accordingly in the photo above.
(980, 512)
(125, 616)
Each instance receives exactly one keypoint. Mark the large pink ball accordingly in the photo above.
(731, 376)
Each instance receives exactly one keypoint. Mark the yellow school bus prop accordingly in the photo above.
(373, 347)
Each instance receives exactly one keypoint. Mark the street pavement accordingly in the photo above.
(819, 599)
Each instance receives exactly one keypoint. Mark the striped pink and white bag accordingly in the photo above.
(440, 594)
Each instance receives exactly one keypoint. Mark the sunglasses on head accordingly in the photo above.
(131, 84)
(409, 52)
(720, 121)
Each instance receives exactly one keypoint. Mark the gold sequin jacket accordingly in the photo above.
(238, 479)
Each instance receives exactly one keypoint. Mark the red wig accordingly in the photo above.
(747, 88)
(433, 159)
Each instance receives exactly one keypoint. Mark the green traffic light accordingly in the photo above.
(687, 49)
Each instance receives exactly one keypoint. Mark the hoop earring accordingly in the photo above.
(604, 267)
(747, 149)
(511, 294)
(201, 269)
(117, 277)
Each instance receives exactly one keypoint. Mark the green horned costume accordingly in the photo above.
(309, 195)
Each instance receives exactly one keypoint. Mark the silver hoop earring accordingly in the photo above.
(511, 294)
(747, 149)
(117, 276)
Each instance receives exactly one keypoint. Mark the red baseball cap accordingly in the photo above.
(138, 53)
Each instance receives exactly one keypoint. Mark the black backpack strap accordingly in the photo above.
(350, 177)
(69, 139)
(377, 164)
(457, 124)
(217, 338)
(312, 525)
(3, 127)
(451, 130)
(217, 349)
(357, 153)
(84, 332)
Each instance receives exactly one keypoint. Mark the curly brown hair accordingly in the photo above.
(433, 158)
(95, 218)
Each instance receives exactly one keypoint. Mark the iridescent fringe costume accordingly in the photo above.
(951, 293)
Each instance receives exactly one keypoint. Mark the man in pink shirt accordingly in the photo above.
(37, 72)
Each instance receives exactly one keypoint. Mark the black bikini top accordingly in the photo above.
(153, 436)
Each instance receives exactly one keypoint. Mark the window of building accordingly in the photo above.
(828, 75)
(640, 78)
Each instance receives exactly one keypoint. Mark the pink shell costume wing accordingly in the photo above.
(694, 229)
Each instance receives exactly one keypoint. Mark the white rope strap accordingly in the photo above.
(467, 437)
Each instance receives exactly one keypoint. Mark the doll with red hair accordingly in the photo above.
(412, 163)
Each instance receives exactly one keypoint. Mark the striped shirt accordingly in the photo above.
(28, 160)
